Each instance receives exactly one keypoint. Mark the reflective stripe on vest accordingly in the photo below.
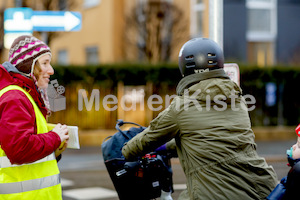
(17, 187)
(4, 161)
(37, 180)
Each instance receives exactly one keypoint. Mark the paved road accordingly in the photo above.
(84, 176)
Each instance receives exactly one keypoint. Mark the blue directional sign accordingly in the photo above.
(27, 20)
(17, 20)
(23, 21)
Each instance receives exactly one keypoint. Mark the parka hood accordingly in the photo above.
(5, 78)
(216, 88)
(10, 68)
(192, 79)
(10, 75)
(208, 86)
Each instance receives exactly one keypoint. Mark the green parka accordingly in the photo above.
(215, 143)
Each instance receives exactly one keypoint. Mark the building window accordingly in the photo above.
(197, 18)
(63, 58)
(261, 31)
(62, 5)
(262, 20)
(92, 55)
(91, 3)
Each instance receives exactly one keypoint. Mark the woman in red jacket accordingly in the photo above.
(28, 168)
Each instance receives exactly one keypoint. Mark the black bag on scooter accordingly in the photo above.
(140, 179)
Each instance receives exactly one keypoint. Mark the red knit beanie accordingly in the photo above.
(25, 51)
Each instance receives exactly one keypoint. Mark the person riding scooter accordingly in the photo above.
(211, 126)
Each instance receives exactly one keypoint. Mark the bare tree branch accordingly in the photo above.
(153, 29)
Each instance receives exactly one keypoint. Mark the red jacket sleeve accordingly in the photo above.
(18, 137)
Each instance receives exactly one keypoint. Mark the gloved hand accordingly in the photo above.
(165, 195)
(161, 148)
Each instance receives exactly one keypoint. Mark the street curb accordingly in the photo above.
(275, 158)
(94, 137)
(274, 133)
(268, 158)
(271, 133)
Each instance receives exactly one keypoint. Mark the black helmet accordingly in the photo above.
(199, 55)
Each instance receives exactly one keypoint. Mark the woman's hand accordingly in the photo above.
(62, 132)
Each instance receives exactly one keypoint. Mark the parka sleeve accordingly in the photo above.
(18, 136)
(161, 130)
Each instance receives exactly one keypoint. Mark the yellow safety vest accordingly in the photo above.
(39, 180)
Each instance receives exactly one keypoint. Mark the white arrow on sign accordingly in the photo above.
(68, 21)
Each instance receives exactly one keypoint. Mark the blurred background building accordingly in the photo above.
(261, 32)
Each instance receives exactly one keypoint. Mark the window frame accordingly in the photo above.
(87, 3)
(263, 36)
(65, 60)
(90, 49)
(195, 30)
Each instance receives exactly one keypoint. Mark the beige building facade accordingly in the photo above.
(107, 34)
(105, 30)
(98, 41)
